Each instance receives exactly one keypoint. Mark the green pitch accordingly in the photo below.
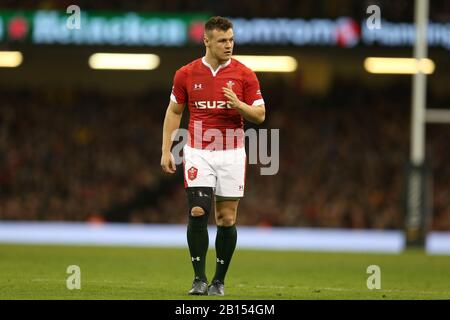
(39, 272)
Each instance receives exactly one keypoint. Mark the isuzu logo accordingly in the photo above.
(212, 105)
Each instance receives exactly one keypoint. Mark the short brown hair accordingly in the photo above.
(218, 23)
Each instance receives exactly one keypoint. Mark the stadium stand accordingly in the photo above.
(82, 156)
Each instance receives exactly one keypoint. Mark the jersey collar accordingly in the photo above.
(214, 73)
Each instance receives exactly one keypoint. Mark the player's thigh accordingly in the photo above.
(197, 170)
(230, 170)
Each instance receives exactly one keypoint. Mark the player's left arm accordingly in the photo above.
(256, 112)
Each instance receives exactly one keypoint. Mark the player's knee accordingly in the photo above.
(226, 220)
(200, 201)
(197, 212)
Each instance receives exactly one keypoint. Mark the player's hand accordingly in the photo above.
(168, 162)
(232, 97)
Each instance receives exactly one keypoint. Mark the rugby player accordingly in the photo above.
(220, 93)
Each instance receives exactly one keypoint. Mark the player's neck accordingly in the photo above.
(214, 62)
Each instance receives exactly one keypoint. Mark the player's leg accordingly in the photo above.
(200, 204)
(226, 238)
(230, 188)
(199, 181)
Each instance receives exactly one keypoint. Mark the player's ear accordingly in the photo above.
(206, 39)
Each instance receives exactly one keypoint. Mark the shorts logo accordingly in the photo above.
(241, 188)
(192, 173)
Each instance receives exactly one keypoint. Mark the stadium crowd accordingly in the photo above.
(84, 156)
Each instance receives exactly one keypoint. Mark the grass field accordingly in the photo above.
(39, 272)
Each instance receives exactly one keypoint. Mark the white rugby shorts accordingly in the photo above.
(223, 170)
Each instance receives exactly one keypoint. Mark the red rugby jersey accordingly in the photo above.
(198, 85)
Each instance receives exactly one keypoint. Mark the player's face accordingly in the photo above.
(220, 44)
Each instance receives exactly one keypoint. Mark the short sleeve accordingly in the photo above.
(179, 93)
(252, 91)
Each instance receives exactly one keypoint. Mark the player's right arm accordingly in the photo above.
(172, 120)
(171, 123)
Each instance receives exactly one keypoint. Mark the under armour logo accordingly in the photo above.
(241, 188)
(220, 261)
(197, 86)
(195, 258)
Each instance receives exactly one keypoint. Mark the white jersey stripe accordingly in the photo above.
(258, 102)
(173, 98)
